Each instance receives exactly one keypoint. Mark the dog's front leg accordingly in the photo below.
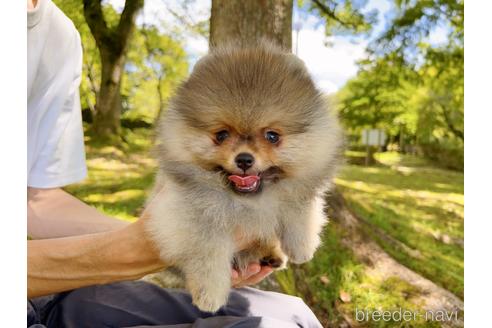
(300, 229)
(208, 272)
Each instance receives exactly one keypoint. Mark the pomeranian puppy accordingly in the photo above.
(247, 147)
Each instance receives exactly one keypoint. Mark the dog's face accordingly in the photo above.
(253, 115)
(249, 157)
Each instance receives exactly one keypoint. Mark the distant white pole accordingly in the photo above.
(297, 42)
(297, 28)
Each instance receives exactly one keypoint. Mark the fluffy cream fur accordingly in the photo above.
(195, 213)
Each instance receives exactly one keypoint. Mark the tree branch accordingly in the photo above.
(95, 19)
(127, 21)
(457, 132)
(115, 41)
(189, 24)
(330, 13)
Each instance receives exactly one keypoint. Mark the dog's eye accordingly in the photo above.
(272, 137)
(221, 136)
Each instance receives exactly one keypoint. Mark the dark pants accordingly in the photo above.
(141, 304)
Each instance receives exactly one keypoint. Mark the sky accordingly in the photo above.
(331, 66)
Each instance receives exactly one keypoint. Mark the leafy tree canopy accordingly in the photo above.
(342, 16)
(379, 97)
(156, 63)
(415, 20)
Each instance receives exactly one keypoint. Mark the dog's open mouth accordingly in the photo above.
(245, 183)
(251, 183)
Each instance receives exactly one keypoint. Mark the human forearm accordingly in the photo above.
(56, 265)
(53, 213)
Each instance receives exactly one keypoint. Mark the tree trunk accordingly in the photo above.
(107, 118)
(246, 22)
(112, 44)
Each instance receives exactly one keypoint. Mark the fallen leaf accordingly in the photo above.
(446, 239)
(345, 297)
(324, 280)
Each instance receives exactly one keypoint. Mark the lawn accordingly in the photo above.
(120, 177)
(404, 197)
(420, 206)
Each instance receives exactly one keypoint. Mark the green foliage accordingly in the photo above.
(415, 20)
(342, 17)
(181, 11)
(441, 106)
(426, 104)
(156, 63)
(411, 89)
(379, 97)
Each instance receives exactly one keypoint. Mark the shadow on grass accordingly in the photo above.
(319, 282)
(334, 284)
(120, 175)
(439, 262)
(416, 209)
(127, 209)
(112, 185)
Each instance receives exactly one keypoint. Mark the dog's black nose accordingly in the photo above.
(244, 161)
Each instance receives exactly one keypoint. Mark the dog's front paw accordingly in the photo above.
(209, 300)
(299, 256)
(300, 252)
(209, 292)
(274, 262)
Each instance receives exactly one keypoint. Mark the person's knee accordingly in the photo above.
(300, 311)
(93, 305)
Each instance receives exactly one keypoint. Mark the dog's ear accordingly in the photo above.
(296, 64)
(201, 62)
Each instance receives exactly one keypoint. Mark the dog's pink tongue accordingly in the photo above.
(246, 181)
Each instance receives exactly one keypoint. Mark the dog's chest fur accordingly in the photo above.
(255, 215)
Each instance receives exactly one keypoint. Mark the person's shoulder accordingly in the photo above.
(61, 26)
(54, 47)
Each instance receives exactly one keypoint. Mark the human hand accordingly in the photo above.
(253, 274)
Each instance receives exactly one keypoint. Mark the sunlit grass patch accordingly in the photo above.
(355, 153)
(391, 158)
(321, 280)
(422, 208)
(336, 284)
(120, 177)
(371, 294)
(121, 196)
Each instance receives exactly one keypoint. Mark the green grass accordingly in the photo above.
(406, 197)
(418, 205)
(412, 202)
(120, 177)
(335, 273)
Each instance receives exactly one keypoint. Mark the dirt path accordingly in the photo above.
(435, 298)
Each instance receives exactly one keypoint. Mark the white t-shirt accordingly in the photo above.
(55, 141)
